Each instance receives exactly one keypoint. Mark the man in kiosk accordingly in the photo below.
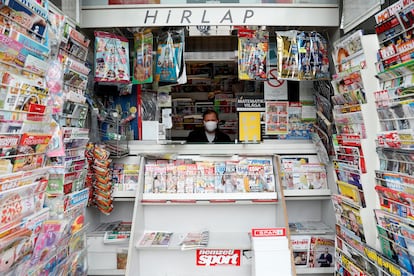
(209, 133)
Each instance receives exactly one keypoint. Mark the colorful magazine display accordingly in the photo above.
(244, 176)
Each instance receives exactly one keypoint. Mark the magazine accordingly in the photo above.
(8, 145)
(300, 248)
(195, 240)
(155, 239)
(322, 250)
(30, 152)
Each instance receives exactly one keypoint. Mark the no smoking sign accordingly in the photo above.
(272, 79)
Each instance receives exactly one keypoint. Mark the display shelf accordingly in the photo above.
(102, 272)
(124, 194)
(304, 198)
(210, 202)
(210, 196)
(307, 193)
(313, 233)
(315, 270)
(217, 240)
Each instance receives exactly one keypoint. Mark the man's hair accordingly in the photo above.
(210, 111)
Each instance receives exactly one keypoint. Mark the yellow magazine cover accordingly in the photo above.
(249, 126)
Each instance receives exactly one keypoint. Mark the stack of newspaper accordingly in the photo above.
(195, 240)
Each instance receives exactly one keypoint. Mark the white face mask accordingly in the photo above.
(210, 126)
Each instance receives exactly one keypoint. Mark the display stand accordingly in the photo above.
(228, 219)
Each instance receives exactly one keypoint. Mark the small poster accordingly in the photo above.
(249, 126)
(276, 117)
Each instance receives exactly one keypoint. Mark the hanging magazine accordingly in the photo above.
(111, 58)
(170, 49)
(253, 50)
(143, 43)
(287, 52)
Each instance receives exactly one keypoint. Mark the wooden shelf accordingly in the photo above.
(217, 240)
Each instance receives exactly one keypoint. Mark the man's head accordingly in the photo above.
(210, 120)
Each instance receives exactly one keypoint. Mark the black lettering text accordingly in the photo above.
(227, 16)
(154, 17)
(186, 15)
(248, 14)
(204, 17)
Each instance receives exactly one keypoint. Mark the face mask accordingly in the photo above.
(210, 126)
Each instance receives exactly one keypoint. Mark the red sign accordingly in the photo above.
(272, 79)
(269, 232)
(213, 257)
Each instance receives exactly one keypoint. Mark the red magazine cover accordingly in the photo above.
(31, 151)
